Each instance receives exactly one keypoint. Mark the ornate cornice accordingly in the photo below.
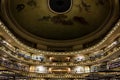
(117, 27)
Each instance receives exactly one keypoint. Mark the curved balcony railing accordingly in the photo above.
(25, 70)
(111, 52)
(61, 64)
(76, 76)
(22, 55)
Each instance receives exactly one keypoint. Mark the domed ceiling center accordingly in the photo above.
(81, 17)
(60, 6)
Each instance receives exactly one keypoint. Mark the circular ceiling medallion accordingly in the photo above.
(60, 6)
(63, 22)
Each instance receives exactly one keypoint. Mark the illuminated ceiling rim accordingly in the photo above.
(69, 42)
(117, 25)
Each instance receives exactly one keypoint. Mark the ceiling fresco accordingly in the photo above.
(40, 18)
(59, 24)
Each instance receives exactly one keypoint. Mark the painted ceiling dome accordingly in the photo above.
(60, 23)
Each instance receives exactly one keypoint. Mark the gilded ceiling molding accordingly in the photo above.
(58, 53)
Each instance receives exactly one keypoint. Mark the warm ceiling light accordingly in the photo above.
(51, 58)
(50, 70)
(69, 69)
